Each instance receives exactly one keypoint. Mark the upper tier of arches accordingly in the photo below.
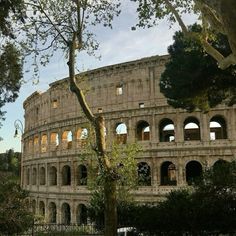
(166, 130)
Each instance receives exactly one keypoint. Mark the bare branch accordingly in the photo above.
(73, 85)
(51, 44)
(49, 19)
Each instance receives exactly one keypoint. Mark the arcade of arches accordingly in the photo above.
(191, 131)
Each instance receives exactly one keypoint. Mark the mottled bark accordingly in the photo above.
(228, 16)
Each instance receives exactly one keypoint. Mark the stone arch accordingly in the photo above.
(67, 139)
(44, 143)
(42, 176)
(54, 140)
(66, 175)
(52, 208)
(143, 130)
(219, 163)
(166, 130)
(81, 214)
(191, 129)
(82, 175)
(144, 174)
(121, 133)
(42, 209)
(193, 171)
(31, 145)
(36, 143)
(52, 176)
(168, 173)
(218, 128)
(65, 214)
(33, 206)
(82, 136)
(34, 176)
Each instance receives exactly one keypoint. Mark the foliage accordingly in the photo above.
(207, 207)
(217, 15)
(10, 162)
(9, 9)
(125, 168)
(14, 214)
(11, 75)
(10, 57)
(192, 78)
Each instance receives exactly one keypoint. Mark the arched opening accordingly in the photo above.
(82, 215)
(191, 129)
(52, 213)
(167, 130)
(34, 176)
(42, 180)
(67, 140)
(82, 136)
(168, 173)
(144, 174)
(54, 141)
(121, 133)
(193, 172)
(36, 143)
(66, 175)
(30, 145)
(42, 209)
(52, 175)
(33, 206)
(66, 214)
(44, 143)
(82, 175)
(218, 129)
(219, 164)
(143, 131)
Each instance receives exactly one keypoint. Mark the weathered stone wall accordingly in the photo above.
(177, 145)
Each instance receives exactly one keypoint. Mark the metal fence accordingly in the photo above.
(61, 229)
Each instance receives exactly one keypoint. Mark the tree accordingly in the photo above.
(14, 214)
(192, 78)
(219, 15)
(68, 26)
(123, 161)
(7, 9)
(10, 57)
(10, 162)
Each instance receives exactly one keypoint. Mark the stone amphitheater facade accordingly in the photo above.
(176, 145)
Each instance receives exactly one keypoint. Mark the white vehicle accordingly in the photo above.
(127, 231)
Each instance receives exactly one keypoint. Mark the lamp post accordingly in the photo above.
(19, 127)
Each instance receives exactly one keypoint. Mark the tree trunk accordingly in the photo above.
(110, 208)
(103, 161)
(228, 15)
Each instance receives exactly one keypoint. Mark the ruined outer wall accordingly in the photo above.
(125, 93)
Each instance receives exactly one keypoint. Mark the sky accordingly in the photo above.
(120, 44)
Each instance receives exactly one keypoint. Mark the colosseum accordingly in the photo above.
(176, 145)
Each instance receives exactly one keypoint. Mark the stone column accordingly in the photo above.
(73, 212)
(153, 129)
(179, 128)
(131, 130)
(205, 127)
